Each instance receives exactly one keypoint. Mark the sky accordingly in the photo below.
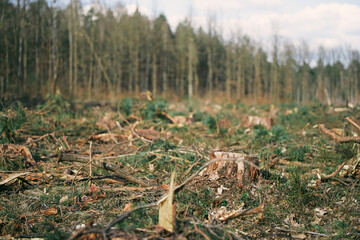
(330, 23)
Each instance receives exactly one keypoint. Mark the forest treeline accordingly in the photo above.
(107, 54)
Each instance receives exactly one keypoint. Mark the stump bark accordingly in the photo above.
(243, 172)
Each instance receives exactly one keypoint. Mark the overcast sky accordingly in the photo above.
(318, 22)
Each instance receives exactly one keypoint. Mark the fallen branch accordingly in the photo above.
(106, 166)
(333, 174)
(295, 231)
(124, 174)
(352, 122)
(134, 132)
(236, 213)
(336, 137)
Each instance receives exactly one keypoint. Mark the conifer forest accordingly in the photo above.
(102, 54)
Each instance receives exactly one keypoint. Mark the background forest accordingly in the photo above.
(109, 54)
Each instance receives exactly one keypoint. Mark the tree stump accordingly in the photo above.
(243, 172)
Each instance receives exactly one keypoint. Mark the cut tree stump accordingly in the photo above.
(243, 172)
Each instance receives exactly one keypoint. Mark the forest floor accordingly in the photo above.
(96, 171)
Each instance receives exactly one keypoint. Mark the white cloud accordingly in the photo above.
(326, 24)
(216, 5)
(233, 5)
(266, 3)
(330, 24)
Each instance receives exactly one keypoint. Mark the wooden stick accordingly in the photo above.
(336, 137)
(294, 231)
(241, 212)
(134, 132)
(338, 169)
(111, 135)
(106, 166)
(352, 122)
(123, 174)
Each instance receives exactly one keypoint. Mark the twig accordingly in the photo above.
(65, 141)
(39, 138)
(221, 228)
(338, 169)
(123, 174)
(82, 167)
(295, 231)
(336, 137)
(233, 214)
(126, 214)
(134, 132)
(106, 166)
(191, 167)
(111, 135)
(196, 229)
(352, 122)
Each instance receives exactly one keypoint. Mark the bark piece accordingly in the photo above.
(149, 134)
(167, 209)
(242, 172)
(12, 177)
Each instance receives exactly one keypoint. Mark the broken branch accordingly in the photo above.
(336, 137)
(352, 122)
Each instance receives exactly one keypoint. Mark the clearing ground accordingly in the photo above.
(96, 171)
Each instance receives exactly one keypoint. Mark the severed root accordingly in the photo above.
(336, 137)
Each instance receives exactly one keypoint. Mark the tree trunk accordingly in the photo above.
(190, 70)
(228, 74)
(210, 72)
(154, 75)
(20, 53)
(54, 48)
(70, 36)
(165, 80)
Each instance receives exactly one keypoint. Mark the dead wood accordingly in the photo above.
(294, 231)
(336, 137)
(124, 174)
(13, 150)
(106, 166)
(12, 177)
(133, 132)
(333, 174)
(352, 122)
(240, 171)
(241, 212)
(205, 166)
